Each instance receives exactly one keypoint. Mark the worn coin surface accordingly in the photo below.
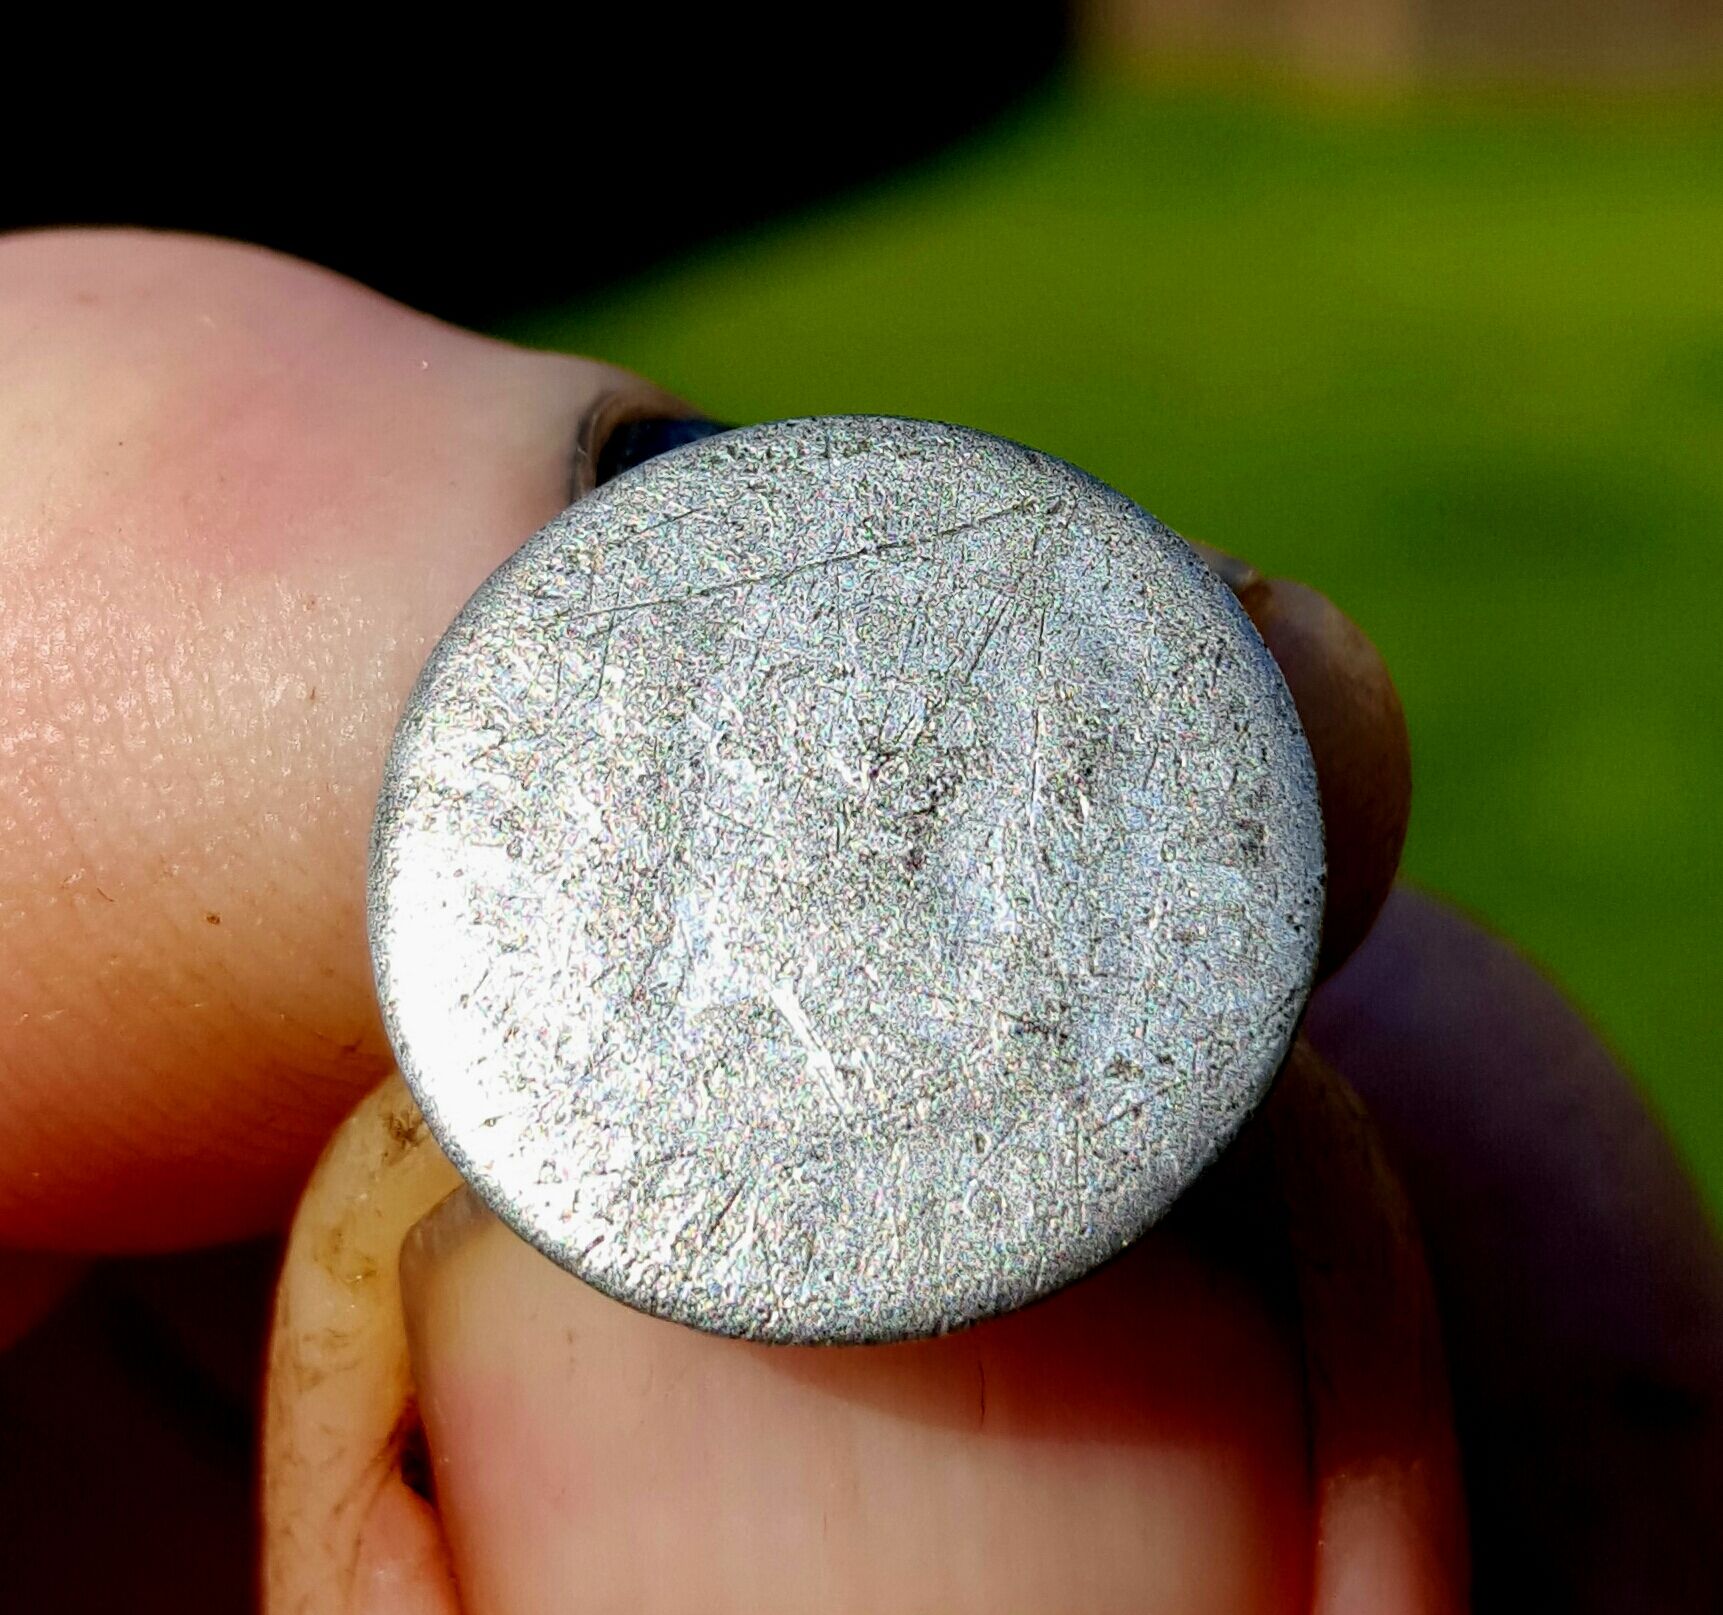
(843, 879)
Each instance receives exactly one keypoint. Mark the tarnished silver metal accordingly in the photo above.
(844, 879)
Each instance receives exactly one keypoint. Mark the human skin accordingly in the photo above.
(241, 498)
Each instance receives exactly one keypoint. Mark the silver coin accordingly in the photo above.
(844, 879)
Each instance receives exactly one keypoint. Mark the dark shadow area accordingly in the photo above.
(476, 177)
(128, 1429)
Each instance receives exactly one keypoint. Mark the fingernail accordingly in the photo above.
(344, 1526)
(1240, 576)
(635, 442)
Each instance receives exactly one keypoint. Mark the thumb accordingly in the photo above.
(240, 497)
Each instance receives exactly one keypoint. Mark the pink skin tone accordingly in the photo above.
(1141, 1447)
(1142, 1441)
(240, 499)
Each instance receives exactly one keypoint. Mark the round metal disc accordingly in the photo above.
(844, 879)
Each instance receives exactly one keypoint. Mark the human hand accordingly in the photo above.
(242, 499)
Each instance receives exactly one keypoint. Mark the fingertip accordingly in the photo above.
(1356, 727)
(402, 1567)
(248, 497)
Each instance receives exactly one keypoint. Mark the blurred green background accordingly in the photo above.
(1454, 357)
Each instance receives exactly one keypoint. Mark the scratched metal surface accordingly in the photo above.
(844, 879)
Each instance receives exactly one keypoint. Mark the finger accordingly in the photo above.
(240, 499)
(1579, 1274)
(1106, 1453)
(1389, 1517)
(582, 1449)
(1138, 1441)
(1352, 718)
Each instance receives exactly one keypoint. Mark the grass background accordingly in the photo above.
(1455, 358)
